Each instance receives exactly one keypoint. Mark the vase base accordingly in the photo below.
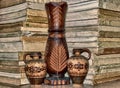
(36, 81)
(57, 81)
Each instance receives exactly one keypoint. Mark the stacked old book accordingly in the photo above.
(23, 28)
(95, 24)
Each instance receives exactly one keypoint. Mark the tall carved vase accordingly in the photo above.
(56, 54)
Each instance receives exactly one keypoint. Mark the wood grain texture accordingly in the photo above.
(11, 69)
(107, 59)
(38, 25)
(7, 3)
(109, 34)
(11, 47)
(58, 58)
(22, 6)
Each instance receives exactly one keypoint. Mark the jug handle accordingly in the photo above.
(24, 57)
(82, 50)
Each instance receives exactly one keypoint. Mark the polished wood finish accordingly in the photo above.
(35, 68)
(56, 54)
(78, 65)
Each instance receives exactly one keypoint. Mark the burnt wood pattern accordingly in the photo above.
(56, 54)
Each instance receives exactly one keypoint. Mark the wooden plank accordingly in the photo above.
(92, 5)
(87, 34)
(9, 58)
(41, 39)
(81, 3)
(100, 60)
(103, 51)
(109, 34)
(12, 62)
(107, 75)
(43, 1)
(109, 44)
(81, 33)
(6, 29)
(28, 13)
(34, 12)
(81, 39)
(38, 41)
(83, 45)
(108, 12)
(8, 55)
(111, 5)
(9, 3)
(11, 69)
(34, 33)
(37, 6)
(107, 56)
(12, 47)
(13, 20)
(81, 23)
(23, 29)
(9, 80)
(109, 18)
(12, 34)
(82, 28)
(36, 19)
(6, 3)
(9, 63)
(109, 39)
(113, 23)
(25, 24)
(109, 68)
(13, 15)
(2, 26)
(101, 78)
(109, 28)
(15, 8)
(82, 15)
(70, 2)
(33, 29)
(28, 46)
(22, 6)
(13, 78)
(12, 75)
(40, 25)
(10, 39)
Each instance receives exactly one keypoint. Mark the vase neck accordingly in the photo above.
(77, 52)
(56, 12)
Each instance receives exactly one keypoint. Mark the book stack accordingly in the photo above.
(95, 24)
(23, 28)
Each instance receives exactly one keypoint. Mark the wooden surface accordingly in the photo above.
(115, 84)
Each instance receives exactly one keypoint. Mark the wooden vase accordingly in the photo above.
(35, 68)
(56, 54)
(78, 66)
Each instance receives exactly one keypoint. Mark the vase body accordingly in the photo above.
(78, 66)
(56, 54)
(35, 68)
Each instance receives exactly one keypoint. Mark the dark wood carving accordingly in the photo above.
(58, 58)
(56, 54)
